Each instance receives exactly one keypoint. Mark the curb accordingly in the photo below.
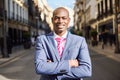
(112, 56)
(14, 56)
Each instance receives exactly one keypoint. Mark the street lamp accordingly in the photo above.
(117, 50)
(83, 7)
(5, 30)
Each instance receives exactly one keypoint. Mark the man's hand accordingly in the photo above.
(49, 61)
(74, 63)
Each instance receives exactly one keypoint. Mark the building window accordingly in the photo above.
(102, 7)
(111, 7)
(98, 9)
(20, 13)
(17, 12)
(118, 5)
(9, 8)
(106, 7)
(13, 10)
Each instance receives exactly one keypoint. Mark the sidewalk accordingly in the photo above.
(108, 51)
(16, 53)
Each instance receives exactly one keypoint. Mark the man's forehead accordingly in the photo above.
(61, 11)
(60, 8)
(60, 16)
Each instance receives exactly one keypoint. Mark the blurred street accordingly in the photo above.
(21, 65)
(21, 21)
(104, 67)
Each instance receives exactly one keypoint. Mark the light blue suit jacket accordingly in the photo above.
(58, 69)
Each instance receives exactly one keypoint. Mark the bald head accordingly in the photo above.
(60, 9)
(60, 20)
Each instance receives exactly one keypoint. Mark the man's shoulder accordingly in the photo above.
(77, 36)
(45, 35)
(41, 36)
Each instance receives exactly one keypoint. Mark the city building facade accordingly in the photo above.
(98, 14)
(101, 15)
(18, 17)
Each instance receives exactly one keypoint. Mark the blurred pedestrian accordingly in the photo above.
(33, 40)
(105, 38)
(9, 45)
(1, 46)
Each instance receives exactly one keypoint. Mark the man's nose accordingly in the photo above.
(60, 20)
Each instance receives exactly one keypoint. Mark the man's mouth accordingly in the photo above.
(59, 24)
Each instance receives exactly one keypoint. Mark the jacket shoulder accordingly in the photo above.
(77, 37)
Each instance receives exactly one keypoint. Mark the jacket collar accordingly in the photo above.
(69, 40)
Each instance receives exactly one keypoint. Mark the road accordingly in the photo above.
(20, 68)
(23, 68)
(104, 68)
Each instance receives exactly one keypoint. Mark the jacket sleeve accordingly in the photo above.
(84, 69)
(48, 68)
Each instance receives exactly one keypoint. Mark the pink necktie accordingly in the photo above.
(60, 45)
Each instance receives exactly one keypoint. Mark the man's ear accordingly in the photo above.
(52, 19)
(69, 20)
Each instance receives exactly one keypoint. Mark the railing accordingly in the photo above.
(25, 21)
(14, 17)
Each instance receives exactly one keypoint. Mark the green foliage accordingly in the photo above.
(79, 33)
(26, 35)
(93, 33)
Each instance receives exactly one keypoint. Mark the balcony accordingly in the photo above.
(110, 11)
(105, 13)
(25, 21)
(19, 18)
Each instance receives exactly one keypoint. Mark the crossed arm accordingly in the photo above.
(74, 68)
(72, 63)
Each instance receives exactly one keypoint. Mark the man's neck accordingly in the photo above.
(60, 33)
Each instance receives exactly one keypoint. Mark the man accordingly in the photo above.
(72, 63)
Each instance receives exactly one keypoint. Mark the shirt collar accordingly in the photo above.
(63, 36)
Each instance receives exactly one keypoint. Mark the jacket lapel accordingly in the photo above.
(67, 45)
(50, 38)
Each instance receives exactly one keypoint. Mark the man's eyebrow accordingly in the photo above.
(60, 16)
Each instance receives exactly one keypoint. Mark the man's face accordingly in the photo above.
(60, 20)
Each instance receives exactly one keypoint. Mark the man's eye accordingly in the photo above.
(64, 18)
(56, 18)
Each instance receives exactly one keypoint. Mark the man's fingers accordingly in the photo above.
(49, 61)
(74, 63)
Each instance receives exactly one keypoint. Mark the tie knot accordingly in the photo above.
(58, 39)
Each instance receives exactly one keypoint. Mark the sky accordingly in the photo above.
(65, 3)
(56, 3)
